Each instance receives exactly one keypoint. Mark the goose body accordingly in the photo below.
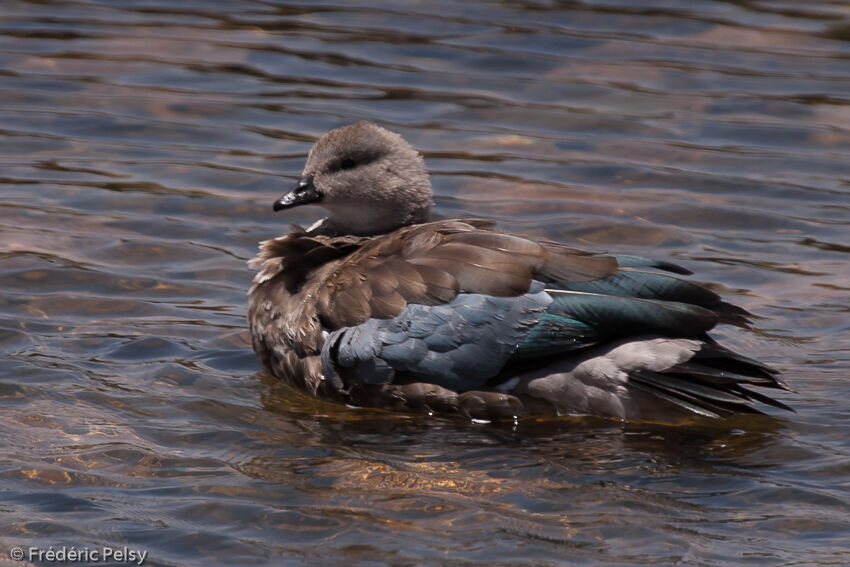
(376, 306)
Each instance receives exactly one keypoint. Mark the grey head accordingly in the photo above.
(368, 179)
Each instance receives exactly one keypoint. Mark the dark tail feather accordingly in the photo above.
(732, 314)
(718, 357)
(713, 382)
(759, 397)
(633, 261)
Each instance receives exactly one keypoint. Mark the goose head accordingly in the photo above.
(368, 179)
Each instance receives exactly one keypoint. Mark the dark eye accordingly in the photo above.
(347, 163)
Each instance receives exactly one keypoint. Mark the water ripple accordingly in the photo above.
(142, 143)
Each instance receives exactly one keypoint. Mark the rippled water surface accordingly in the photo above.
(141, 147)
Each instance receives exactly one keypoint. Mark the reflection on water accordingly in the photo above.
(141, 145)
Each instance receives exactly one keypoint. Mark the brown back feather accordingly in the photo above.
(352, 279)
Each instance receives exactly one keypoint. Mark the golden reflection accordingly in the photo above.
(420, 478)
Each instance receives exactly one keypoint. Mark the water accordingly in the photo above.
(141, 147)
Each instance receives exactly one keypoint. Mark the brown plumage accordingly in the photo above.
(352, 279)
(368, 305)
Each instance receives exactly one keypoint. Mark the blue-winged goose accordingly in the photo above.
(376, 306)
